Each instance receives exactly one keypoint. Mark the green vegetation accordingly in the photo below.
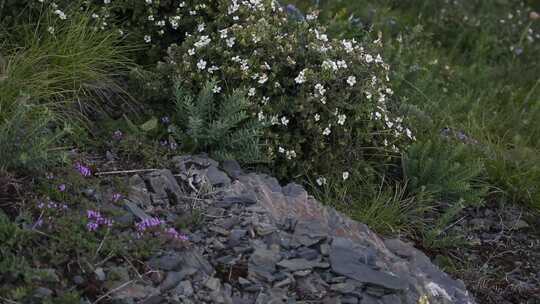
(222, 128)
(401, 114)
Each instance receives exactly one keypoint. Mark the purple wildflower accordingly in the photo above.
(117, 135)
(165, 120)
(41, 205)
(97, 220)
(116, 197)
(176, 235)
(148, 223)
(92, 226)
(93, 215)
(62, 187)
(83, 170)
(39, 223)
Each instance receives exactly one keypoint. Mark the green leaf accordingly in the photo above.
(150, 125)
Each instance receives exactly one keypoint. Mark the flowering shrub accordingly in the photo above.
(323, 101)
(151, 23)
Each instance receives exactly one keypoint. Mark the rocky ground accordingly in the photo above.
(500, 259)
(255, 241)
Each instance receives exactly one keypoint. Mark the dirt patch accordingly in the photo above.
(502, 262)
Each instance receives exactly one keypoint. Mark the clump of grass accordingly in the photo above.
(53, 74)
(62, 64)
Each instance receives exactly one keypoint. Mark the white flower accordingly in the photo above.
(200, 27)
(281, 150)
(265, 99)
(345, 175)
(311, 16)
(369, 58)
(284, 121)
(244, 66)
(95, 16)
(151, 18)
(342, 64)
(348, 46)
(160, 23)
(317, 117)
(203, 41)
(301, 78)
(368, 95)
(329, 65)
(175, 21)
(290, 154)
(191, 52)
(261, 116)
(147, 38)
(251, 92)
(321, 181)
(148, 1)
(409, 133)
(212, 69)
(319, 88)
(274, 120)
(216, 89)
(263, 78)
(201, 64)
(341, 119)
(326, 131)
(351, 80)
(223, 33)
(60, 14)
(321, 37)
(50, 29)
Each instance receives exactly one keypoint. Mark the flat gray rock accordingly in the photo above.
(347, 261)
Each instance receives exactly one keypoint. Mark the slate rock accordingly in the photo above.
(194, 259)
(163, 184)
(213, 284)
(184, 288)
(347, 261)
(308, 253)
(135, 210)
(217, 178)
(100, 274)
(232, 168)
(175, 277)
(262, 264)
(313, 286)
(170, 261)
(296, 264)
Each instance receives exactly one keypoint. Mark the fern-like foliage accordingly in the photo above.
(446, 170)
(218, 125)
